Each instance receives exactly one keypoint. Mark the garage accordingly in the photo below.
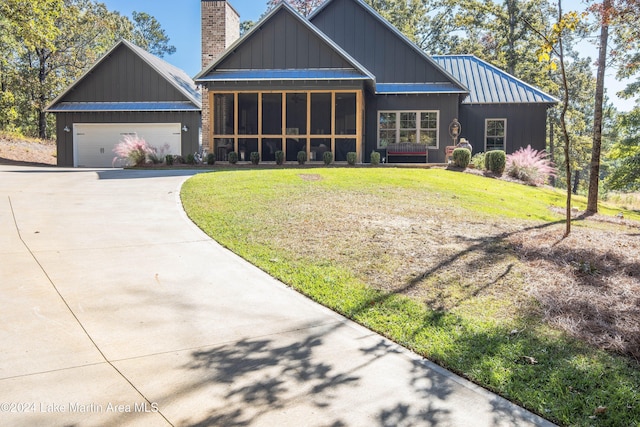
(128, 91)
(93, 143)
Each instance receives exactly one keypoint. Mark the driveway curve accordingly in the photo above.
(117, 310)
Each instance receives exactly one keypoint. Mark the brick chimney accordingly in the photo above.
(220, 28)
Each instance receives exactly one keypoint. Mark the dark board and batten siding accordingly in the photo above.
(446, 104)
(375, 45)
(525, 124)
(190, 139)
(112, 81)
(283, 43)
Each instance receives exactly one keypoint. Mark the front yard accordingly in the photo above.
(467, 271)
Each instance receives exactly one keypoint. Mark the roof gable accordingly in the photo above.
(377, 44)
(490, 85)
(129, 74)
(282, 40)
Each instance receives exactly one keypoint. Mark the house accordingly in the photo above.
(128, 91)
(343, 80)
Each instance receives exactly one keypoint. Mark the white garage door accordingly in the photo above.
(93, 144)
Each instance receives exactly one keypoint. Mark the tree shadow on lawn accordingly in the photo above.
(590, 316)
(265, 379)
(595, 295)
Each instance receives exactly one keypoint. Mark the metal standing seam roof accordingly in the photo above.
(74, 107)
(174, 75)
(490, 85)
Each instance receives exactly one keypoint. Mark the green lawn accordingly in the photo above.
(323, 230)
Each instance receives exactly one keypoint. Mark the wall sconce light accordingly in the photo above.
(67, 129)
(185, 128)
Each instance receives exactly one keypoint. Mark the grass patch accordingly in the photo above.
(436, 261)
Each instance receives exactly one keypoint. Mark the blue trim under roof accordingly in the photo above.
(294, 74)
(88, 107)
(402, 88)
(490, 85)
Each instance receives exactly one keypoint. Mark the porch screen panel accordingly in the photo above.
(246, 146)
(224, 111)
(343, 146)
(296, 113)
(272, 114)
(248, 113)
(320, 114)
(269, 148)
(345, 114)
(318, 147)
(295, 145)
(222, 147)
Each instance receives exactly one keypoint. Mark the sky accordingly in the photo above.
(181, 21)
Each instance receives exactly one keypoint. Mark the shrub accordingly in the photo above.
(461, 157)
(478, 161)
(157, 156)
(255, 157)
(211, 159)
(352, 157)
(233, 157)
(279, 157)
(529, 165)
(495, 161)
(168, 159)
(133, 150)
(302, 157)
(375, 158)
(191, 159)
(178, 159)
(327, 158)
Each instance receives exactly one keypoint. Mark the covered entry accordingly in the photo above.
(313, 121)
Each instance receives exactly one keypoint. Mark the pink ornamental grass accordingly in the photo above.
(133, 150)
(531, 166)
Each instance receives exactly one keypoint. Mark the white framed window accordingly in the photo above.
(408, 126)
(495, 134)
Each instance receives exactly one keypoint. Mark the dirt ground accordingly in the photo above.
(21, 152)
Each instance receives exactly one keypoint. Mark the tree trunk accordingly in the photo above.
(42, 98)
(594, 175)
(563, 125)
(576, 182)
(552, 179)
(512, 10)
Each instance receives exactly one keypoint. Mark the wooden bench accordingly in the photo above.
(407, 149)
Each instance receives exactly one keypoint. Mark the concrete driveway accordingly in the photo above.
(117, 310)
